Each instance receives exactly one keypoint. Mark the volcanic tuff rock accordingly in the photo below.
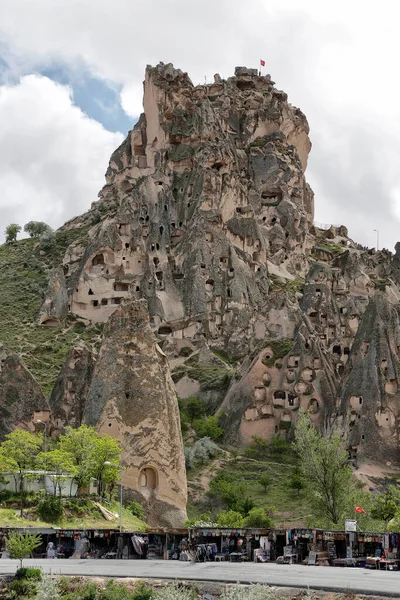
(132, 397)
(21, 400)
(207, 217)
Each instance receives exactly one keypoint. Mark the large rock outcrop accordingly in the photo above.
(206, 218)
(22, 401)
(132, 397)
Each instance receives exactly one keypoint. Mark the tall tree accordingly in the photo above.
(324, 466)
(93, 456)
(18, 454)
(20, 545)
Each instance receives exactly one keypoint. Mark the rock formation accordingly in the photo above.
(22, 401)
(207, 216)
(203, 243)
(132, 398)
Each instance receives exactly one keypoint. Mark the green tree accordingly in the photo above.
(296, 482)
(324, 466)
(265, 481)
(195, 408)
(386, 505)
(231, 518)
(11, 232)
(260, 517)
(18, 455)
(20, 545)
(91, 454)
(36, 228)
(59, 465)
(208, 428)
(225, 490)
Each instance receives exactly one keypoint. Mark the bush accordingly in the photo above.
(201, 452)
(208, 428)
(48, 589)
(29, 573)
(73, 588)
(50, 508)
(116, 591)
(231, 518)
(185, 351)
(176, 591)
(23, 588)
(136, 509)
(251, 592)
(259, 517)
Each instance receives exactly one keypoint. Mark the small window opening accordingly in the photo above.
(95, 303)
(161, 230)
(104, 302)
(90, 292)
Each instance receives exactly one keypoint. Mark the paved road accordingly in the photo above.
(328, 578)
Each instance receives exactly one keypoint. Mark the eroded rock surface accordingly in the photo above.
(132, 397)
(22, 401)
(206, 215)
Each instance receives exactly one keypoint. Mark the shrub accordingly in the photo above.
(116, 591)
(189, 457)
(48, 589)
(208, 428)
(73, 588)
(136, 509)
(231, 518)
(176, 591)
(185, 351)
(252, 592)
(29, 573)
(259, 517)
(50, 508)
(195, 408)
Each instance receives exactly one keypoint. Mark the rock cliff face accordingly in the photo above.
(207, 216)
(202, 243)
(22, 401)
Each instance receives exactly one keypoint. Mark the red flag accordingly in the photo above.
(262, 62)
(359, 509)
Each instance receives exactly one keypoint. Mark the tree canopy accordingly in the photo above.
(11, 232)
(36, 228)
(325, 470)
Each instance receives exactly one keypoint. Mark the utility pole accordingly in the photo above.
(377, 239)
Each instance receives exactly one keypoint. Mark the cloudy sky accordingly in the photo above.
(71, 75)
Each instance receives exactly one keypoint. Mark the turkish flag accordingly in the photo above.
(359, 509)
(262, 62)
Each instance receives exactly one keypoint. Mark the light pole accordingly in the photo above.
(45, 461)
(377, 239)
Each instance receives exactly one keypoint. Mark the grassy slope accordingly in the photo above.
(291, 508)
(74, 519)
(23, 280)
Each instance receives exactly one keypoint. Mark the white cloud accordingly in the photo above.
(52, 156)
(337, 61)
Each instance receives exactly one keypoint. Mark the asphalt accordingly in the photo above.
(383, 583)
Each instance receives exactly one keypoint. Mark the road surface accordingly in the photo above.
(325, 578)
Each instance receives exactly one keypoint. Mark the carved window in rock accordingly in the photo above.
(148, 478)
(98, 260)
(337, 350)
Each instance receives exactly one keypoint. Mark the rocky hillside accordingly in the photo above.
(207, 218)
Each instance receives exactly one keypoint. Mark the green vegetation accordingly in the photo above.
(289, 286)
(325, 469)
(11, 232)
(280, 348)
(24, 276)
(210, 377)
(208, 427)
(21, 545)
(36, 228)
(79, 455)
